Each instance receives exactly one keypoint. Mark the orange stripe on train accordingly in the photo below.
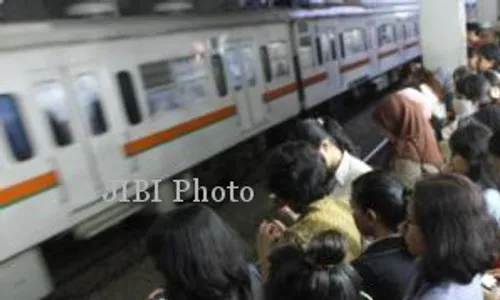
(387, 53)
(145, 143)
(315, 78)
(411, 45)
(27, 188)
(354, 65)
(280, 92)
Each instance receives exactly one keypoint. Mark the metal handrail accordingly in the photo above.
(376, 150)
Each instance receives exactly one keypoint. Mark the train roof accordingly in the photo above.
(70, 31)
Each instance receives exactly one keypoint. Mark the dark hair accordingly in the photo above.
(474, 27)
(461, 73)
(459, 234)
(489, 116)
(494, 144)
(315, 131)
(492, 76)
(199, 256)
(491, 52)
(316, 271)
(424, 76)
(475, 88)
(298, 173)
(471, 52)
(382, 192)
(471, 143)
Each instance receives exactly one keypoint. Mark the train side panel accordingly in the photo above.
(355, 51)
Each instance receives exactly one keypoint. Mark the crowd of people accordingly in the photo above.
(425, 226)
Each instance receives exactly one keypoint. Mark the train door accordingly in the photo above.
(241, 63)
(333, 67)
(51, 95)
(92, 89)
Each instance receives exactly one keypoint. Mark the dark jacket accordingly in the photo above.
(386, 268)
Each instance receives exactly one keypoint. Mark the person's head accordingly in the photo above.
(493, 78)
(494, 149)
(460, 73)
(473, 32)
(317, 270)
(489, 116)
(469, 148)
(489, 57)
(427, 77)
(472, 58)
(377, 202)
(474, 88)
(449, 228)
(298, 175)
(199, 256)
(327, 135)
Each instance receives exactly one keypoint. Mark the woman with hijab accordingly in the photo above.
(415, 150)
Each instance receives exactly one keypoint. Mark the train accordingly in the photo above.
(88, 104)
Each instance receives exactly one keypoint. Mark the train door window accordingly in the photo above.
(266, 64)
(235, 71)
(302, 27)
(306, 54)
(325, 45)
(333, 47)
(279, 59)
(129, 97)
(354, 42)
(249, 64)
(51, 97)
(14, 128)
(319, 51)
(87, 90)
(386, 35)
(219, 74)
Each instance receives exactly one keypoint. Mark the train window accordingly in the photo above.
(354, 42)
(333, 46)
(87, 90)
(129, 97)
(266, 64)
(302, 26)
(176, 83)
(306, 54)
(325, 46)
(410, 30)
(235, 71)
(249, 64)
(219, 75)
(279, 59)
(51, 97)
(386, 34)
(14, 128)
(319, 51)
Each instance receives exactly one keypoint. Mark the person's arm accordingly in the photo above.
(269, 233)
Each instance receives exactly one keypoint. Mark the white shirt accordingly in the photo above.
(463, 108)
(349, 169)
(437, 108)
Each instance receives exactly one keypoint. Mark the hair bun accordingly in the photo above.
(326, 250)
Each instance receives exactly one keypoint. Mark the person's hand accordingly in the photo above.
(269, 233)
(155, 294)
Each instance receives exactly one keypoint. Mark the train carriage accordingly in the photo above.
(88, 105)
